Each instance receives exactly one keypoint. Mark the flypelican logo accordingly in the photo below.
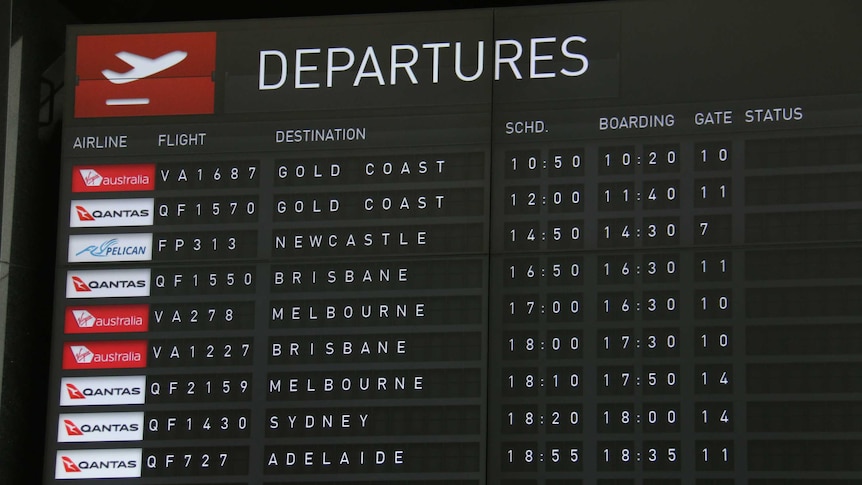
(85, 248)
(145, 74)
(102, 249)
(110, 463)
(114, 178)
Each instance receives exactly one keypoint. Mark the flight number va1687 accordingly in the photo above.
(230, 174)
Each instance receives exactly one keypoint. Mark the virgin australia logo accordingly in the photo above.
(82, 354)
(91, 177)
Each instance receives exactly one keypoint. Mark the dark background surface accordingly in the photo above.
(109, 11)
(40, 27)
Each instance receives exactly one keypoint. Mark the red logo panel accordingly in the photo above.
(74, 392)
(107, 319)
(145, 74)
(72, 429)
(126, 354)
(114, 178)
(69, 465)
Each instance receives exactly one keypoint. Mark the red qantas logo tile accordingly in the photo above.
(69, 465)
(107, 319)
(72, 429)
(145, 74)
(113, 178)
(126, 354)
(74, 392)
(79, 283)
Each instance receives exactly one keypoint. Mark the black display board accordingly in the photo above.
(610, 243)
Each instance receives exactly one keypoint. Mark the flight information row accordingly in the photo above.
(661, 158)
(309, 172)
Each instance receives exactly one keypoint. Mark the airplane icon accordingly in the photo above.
(143, 66)
(153, 74)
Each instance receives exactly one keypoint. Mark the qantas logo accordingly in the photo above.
(89, 427)
(111, 213)
(69, 465)
(83, 214)
(114, 178)
(105, 355)
(72, 429)
(102, 391)
(109, 283)
(80, 285)
(109, 463)
(145, 74)
(74, 392)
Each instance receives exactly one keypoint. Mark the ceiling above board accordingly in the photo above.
(117, 11)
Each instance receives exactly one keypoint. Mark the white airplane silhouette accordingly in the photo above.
(143, 66)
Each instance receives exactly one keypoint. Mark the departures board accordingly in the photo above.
(616, 243)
